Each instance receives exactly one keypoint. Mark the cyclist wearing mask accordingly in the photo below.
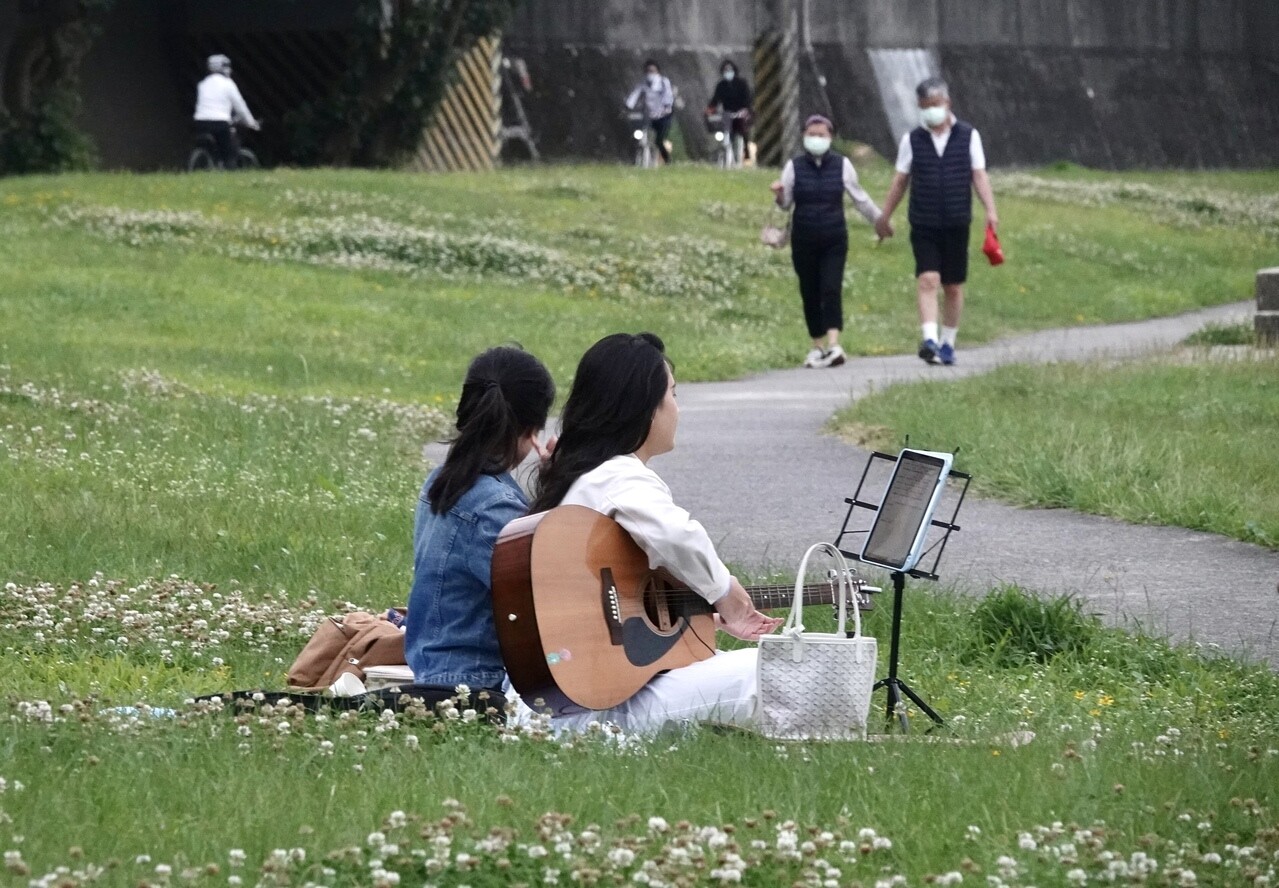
(659, 104)
(733, 94)
(218, 104)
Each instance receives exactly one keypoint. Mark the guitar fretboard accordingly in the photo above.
(778, 596)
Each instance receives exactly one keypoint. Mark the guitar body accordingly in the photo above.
(584, 623)
(582, 620)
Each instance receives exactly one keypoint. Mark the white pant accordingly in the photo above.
(718, 689)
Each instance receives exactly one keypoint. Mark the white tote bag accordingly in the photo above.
(816, 685)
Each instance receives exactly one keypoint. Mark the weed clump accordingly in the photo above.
(1013, 628)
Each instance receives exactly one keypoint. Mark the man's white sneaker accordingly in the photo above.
(815, 358)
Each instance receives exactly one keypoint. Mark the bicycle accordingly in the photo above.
(730, 146)
(645, 156)
(204, 156)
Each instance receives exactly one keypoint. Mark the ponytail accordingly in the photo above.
(506, 395)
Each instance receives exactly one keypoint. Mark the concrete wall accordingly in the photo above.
(1099, 82)
(1111, 83)
(137, 106)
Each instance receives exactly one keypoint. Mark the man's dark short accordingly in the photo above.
(944, 250)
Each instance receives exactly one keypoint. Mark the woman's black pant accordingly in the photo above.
(661, 131)
(819, 259)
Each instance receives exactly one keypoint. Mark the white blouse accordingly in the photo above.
(633, 495)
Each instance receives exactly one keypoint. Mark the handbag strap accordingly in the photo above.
(843, 593)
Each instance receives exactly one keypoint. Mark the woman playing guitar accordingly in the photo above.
(620, 414)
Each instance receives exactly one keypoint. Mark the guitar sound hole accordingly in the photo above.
(657, 606)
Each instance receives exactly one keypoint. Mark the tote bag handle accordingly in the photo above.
(794, 625)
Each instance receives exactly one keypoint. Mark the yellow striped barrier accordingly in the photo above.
(776, 132)
(464, 133)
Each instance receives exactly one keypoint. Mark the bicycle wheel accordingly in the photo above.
(248, 160)
(201, 159)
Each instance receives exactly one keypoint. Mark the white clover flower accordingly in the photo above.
(536, 851)
(1187, 879)
(621, 857)
(881, 843)
(1076, 876)
(396, 819)
(1211, 857)
(658, 824)
(236, 856)
(726, 874)
(375, 839)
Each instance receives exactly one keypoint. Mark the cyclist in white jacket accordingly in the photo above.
(218, 105)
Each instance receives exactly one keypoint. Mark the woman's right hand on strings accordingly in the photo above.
(739, 618)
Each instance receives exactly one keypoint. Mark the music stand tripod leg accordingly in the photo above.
(894, 685)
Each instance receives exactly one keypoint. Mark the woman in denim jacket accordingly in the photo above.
(449, 634)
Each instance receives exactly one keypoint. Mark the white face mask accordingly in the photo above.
(934, 115)
(817, 145)
(654, 79)
(730, 74)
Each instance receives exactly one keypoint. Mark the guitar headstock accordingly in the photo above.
(861, 589)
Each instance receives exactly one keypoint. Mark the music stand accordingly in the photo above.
(909, 559)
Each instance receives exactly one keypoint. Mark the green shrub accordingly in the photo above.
(1013, 628)
(1241, 333)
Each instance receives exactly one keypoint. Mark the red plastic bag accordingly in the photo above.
(994, 252)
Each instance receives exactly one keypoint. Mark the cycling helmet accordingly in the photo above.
(219, 64)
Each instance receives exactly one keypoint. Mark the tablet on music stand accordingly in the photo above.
(896, 539)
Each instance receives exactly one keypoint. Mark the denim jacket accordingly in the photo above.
(449, 634)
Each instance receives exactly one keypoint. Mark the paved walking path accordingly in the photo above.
(755, 466)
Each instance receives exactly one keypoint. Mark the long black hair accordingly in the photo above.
(507, 394)
(620, 383)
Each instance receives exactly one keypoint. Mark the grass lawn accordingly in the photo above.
(213, 396)
(350, 282)
(1188, 440)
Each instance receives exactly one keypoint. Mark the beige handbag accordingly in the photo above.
(774, 235)
(816, 685)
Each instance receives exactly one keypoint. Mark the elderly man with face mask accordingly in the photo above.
(942, 161)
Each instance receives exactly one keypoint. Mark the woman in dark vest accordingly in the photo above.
(815, 183)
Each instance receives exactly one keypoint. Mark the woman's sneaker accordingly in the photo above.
(815, 358)
(834, 356)
(946, 353)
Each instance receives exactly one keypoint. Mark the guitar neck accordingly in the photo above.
(779, 596)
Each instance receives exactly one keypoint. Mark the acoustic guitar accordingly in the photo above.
(583, 621)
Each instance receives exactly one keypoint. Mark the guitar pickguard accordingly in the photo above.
(644, 640)
(644, 646)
